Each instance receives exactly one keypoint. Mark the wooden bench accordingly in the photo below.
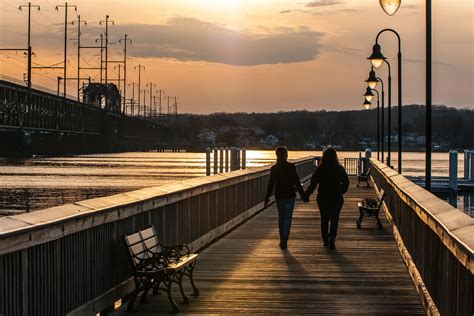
(364, 177)
(370, 208)
(156, 266)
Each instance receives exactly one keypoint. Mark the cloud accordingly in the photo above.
(352, 49)
(285, 11)
(189, 39)
(322, 3)
(422, 61)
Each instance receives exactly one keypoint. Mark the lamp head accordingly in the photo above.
(372, 80)
(368, 94)
(366, 105)
(376, 58)
(390, 6)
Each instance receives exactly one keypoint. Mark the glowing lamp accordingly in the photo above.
(372, 80)
(390, 6)
(376, 58)
(367, 105)
(368, 94)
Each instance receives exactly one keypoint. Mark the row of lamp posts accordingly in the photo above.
(377, 59)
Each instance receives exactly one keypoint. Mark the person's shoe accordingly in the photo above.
(283, 245)
(332, 245)
(326, 244)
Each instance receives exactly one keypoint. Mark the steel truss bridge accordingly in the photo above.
(35, 121)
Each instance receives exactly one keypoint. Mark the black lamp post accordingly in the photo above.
(372, 81)
(377, 59)
(382, 119)
(369, 95)
(390, 7)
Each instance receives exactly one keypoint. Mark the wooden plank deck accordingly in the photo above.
(246, 272)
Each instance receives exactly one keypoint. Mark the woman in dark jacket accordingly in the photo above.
(332, 182)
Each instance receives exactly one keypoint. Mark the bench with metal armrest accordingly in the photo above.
(370, 207)
(156, 266)
(363, 177)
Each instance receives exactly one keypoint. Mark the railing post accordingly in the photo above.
(244, 158)
(232, 158)
(453, 169)
(467, 164)
(471, 178)
(221, 160)
(215, 159)
(208, 161)
(226, 159)
(237, 156)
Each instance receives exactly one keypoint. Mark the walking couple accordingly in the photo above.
(332, 182)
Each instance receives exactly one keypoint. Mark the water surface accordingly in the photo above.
(41, 182)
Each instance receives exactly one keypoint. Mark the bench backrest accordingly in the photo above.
(142, 245)
(136, 248)
(150, 239)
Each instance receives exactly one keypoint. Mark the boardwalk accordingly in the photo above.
(246, 272)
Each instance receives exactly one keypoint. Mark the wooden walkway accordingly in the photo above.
(246, 272)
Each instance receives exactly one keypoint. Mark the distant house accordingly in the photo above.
(207, 136)
(270, 141)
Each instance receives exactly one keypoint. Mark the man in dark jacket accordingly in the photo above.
(284, 179)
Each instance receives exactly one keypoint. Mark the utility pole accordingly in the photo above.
(78, 52)
(140, 67)
(132, 101)
(65, 6)
(101, 56)
(175, 107)
(29, 39)
(168, 105)
(118, 81)
(151, 84)
(125, 39)
(159, 103)
(144, 103)
(106, 42)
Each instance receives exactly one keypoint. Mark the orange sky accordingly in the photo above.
(255, 55)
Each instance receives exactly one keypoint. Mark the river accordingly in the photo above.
(41, 182)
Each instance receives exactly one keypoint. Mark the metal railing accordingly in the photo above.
(352, 166)
(436, 242)
(70, 259)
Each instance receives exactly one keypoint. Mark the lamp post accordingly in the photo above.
(372, 83)
(390, 7)
(377, 58)
(369, 95)
(382, 118)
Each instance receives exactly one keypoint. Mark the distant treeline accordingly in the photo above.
(351, 130)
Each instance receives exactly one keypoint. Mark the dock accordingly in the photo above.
(71, 259)
(246, 271)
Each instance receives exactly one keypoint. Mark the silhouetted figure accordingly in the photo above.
(284, 178)
(332, 182)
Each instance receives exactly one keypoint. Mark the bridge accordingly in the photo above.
(37, 121)
(70, 259)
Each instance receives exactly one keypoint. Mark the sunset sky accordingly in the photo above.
(254, 55)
